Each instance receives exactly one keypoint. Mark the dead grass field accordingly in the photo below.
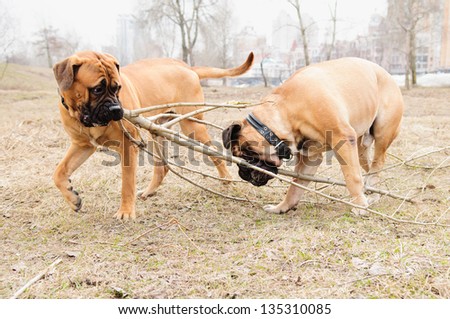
(220, 248)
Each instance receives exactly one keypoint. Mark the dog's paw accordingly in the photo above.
(125, 214)
(143, 195)
(359, 212)
(274, 209)
(226, 179)
(74, 200)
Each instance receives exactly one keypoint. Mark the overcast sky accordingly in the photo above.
(95, 20)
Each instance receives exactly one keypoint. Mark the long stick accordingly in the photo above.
(174, 115)
(35, 279)
(134, 113)
(187, 115)
(157, 128)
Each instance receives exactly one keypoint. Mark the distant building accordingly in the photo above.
(384, 43)
(245, 42)
(432, 41)
(445, 39)
(287, 43)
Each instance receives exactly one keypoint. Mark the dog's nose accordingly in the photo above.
(111, 106)
(115, 110)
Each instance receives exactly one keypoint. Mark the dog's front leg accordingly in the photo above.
(75, 156)
(129, 162)
(305, 166)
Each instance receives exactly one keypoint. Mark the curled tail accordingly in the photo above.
(205, 72)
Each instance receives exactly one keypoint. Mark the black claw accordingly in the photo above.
(75, 192)
(78, 205)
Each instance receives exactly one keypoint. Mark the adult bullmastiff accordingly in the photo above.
(343, 105)
(94, 91)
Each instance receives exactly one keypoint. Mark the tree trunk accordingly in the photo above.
(262, 72)
(296, 5)
(412, 57)
(333, 35)
(49, 56)
(407, 83)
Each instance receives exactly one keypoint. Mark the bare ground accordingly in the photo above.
(199, 245)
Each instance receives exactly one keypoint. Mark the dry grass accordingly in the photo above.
(217, 248)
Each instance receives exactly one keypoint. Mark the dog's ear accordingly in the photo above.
(230, 134)
(65, 72)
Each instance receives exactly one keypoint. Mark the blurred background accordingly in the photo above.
(410, 38)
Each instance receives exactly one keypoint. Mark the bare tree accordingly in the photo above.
(302, 28)
(333, 14)
(217, 36)
(264, 55)
(7, 36)
(48, 44)
(154, 39)
(222, 27)
(186, 15)
(410, 16)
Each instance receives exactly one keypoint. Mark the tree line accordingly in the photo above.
(202, 30)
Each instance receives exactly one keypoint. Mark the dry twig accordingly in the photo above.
(137, 112)
(172, 221)
(36, 278)
(410, 159)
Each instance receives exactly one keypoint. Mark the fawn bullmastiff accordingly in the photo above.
(344, 105)
(94, 90)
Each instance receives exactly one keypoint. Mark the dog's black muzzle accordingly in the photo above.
(102, 114)
(255, 177)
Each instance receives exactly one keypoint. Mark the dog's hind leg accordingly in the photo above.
(160, 170)
(75, 156)
(386, 126)
(198, 131)
(384, 134)
(364, 143)
(304, 166)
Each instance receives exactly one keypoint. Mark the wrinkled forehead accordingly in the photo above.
(92, 73)
(250, 139)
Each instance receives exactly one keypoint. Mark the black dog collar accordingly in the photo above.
(283, 151)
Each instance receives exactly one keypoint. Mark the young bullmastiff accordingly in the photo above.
(94, 91)
(343, 105)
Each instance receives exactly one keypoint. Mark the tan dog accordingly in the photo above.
(93, 92)
(342, 105)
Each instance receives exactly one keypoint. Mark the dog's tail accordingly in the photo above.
(205, 72)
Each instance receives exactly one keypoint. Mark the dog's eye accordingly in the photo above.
(115, 89)
(98, 90)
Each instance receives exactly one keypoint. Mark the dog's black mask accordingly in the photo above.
(101, 115)
(229, 137)
(255, 177)
(103, 107)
